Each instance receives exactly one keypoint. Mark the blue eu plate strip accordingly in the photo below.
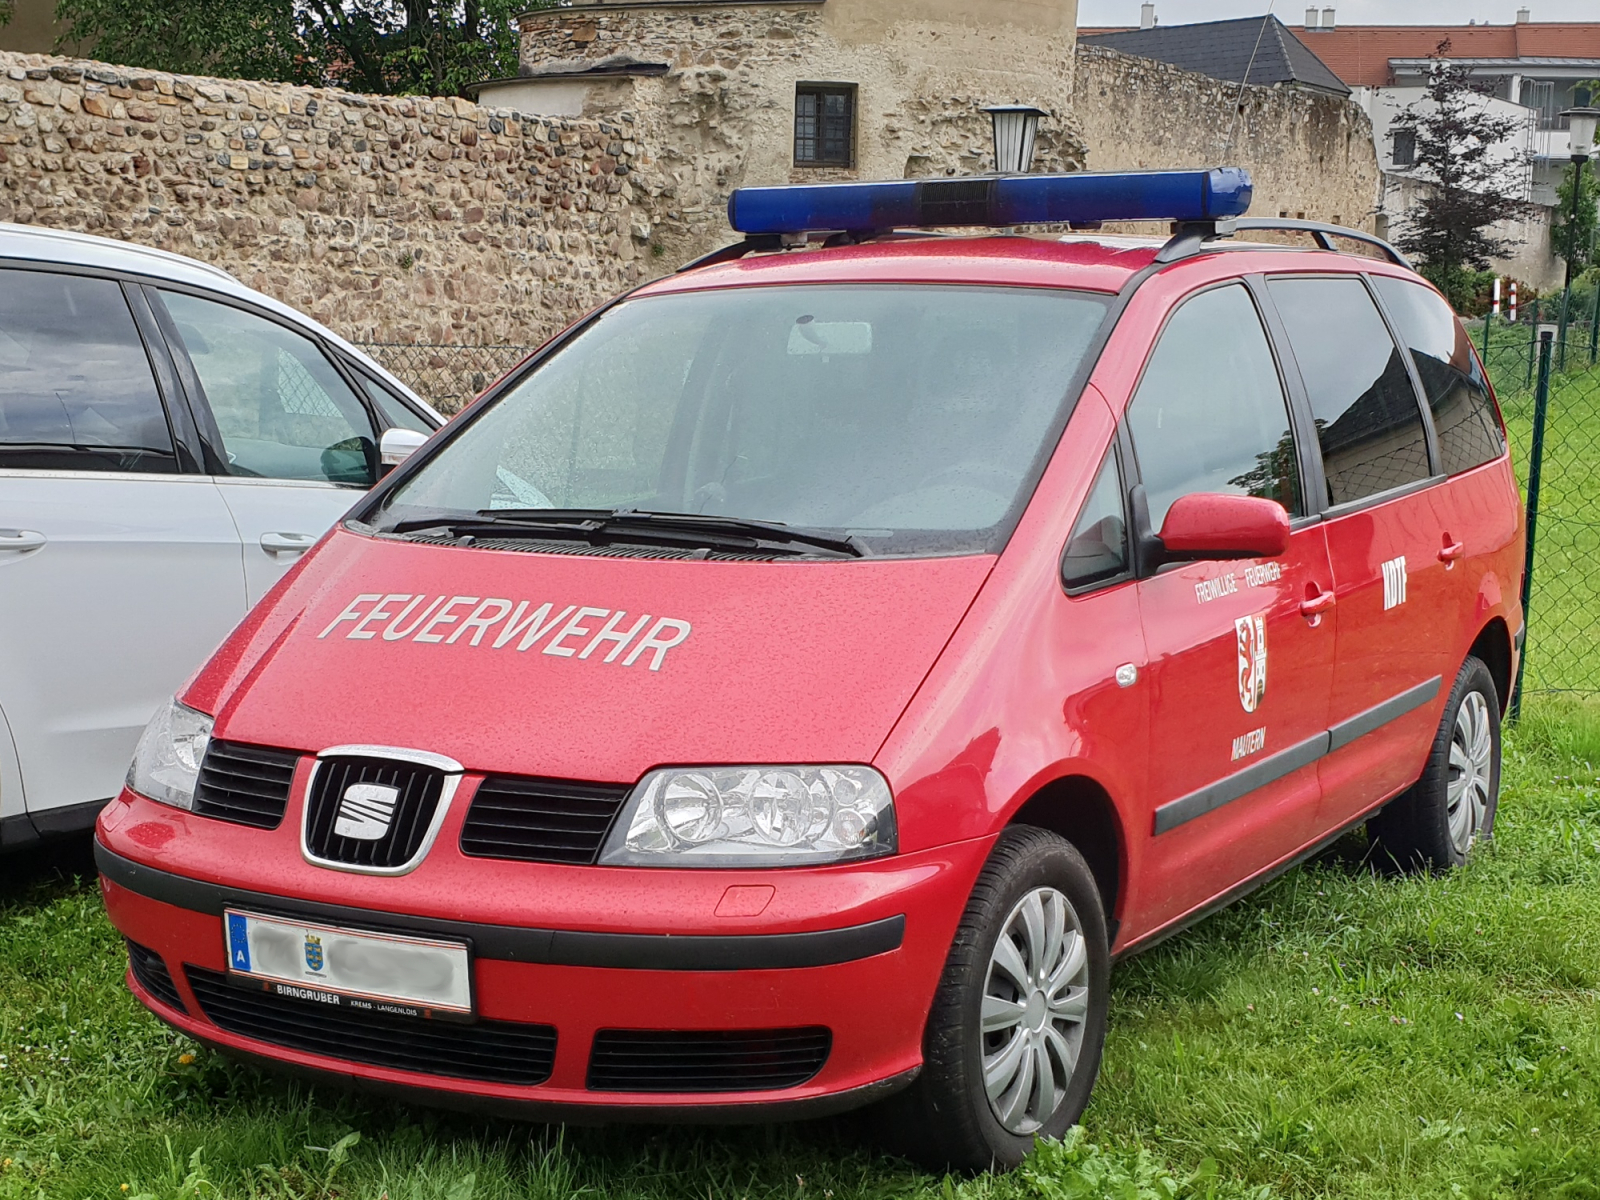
(238, 943)
(1001, 200)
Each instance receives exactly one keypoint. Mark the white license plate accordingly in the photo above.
(364, 972)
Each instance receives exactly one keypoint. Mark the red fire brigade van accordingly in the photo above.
(794, 686)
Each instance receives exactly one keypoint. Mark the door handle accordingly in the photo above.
(1451, 552)
(287, 543)
(1315, 606)
(21, 539)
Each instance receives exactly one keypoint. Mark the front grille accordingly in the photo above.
(248, 785)
(756, 1060)
(488, 1051)
(540, 820)
(153, 976)
(419, 789)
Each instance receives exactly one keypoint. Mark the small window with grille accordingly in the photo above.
(824, 124)
(1405, 147)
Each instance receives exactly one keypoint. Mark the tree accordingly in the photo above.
(1573, 240)
(1466, 152)
(433, 47)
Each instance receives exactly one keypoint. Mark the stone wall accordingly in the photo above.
(1310, 154)
(389, 219)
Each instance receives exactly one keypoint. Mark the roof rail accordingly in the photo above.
(1189, 237)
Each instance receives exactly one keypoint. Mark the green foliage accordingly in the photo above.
(434, 47)
(7, 9)
(1470, 292)
(1574, 240)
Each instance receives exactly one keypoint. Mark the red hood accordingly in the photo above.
(738, 662)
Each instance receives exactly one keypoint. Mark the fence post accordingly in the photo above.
(1541, 405)
(1533, 341)
(1594, 326)
(1488, 324)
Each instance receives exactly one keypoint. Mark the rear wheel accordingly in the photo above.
(1435, 823)
(1013, 1041)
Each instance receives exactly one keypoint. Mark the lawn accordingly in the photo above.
(1338, 1034)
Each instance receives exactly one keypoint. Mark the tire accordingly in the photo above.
(1434, 824)
(946, 1119)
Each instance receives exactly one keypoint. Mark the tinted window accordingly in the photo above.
(1361, 395)
(282, 410)
(76, 392)
(912, 417)
(1210, 413)
(393, 412)
(1463, 414)
(1098, 548)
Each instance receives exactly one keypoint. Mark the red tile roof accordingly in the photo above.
(1360, 54)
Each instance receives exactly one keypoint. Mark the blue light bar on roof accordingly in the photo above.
(999, 200)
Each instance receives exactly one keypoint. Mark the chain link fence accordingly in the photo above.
(446, 376)
(1546, 373)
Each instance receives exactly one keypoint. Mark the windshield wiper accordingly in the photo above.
(600, 526)
(633, 519)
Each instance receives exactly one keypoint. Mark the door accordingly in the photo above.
(118, 574)
(1240, 667)
(296, 445)
(1383, 539)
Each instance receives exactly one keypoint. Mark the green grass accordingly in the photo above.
(1339, 1034)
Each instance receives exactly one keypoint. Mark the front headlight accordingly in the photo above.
(754, 817)
(167, 761)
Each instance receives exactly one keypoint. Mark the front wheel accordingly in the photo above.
(1013, 1040)
(1436, 822)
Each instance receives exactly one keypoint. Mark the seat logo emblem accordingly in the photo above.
(1251, 633)
(365, 811)
(313, 952)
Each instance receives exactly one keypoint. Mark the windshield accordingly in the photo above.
(909, 420)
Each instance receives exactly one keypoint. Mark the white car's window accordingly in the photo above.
(1210, 413)
(281, 408)
(393, 412)
(910, 418)
(76, 392)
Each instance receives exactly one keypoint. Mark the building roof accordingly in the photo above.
(1360, 54)
(1225, 50)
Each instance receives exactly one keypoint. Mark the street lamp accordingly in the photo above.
(1580, 126)
(1016, 126)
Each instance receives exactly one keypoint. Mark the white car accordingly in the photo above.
(170, 443)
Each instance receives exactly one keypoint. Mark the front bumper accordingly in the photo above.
(863, 966)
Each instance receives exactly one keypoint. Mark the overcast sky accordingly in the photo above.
(1350, 12)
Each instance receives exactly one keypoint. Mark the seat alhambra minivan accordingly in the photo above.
(793, 688)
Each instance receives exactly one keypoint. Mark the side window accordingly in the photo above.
(76, 391)
(393, 412)
(1210, 414)
(1463, 414)
(1365, 408)
(1098, 548)
(281, 408)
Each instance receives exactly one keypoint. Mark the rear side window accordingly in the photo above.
(1365, 408)
(1463, 414)
(281, 408)
(76, 391)
(1210, 413)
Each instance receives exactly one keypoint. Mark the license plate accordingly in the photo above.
(344, 968)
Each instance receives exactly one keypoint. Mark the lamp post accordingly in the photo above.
(1581, 122)
(1016, 127)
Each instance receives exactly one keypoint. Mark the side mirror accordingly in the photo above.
(1213, 527)
(397, 445)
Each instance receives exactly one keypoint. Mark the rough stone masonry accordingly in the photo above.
(387, 218)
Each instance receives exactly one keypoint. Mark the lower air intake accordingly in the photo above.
(488, 1051)
(153, 976)
(744, 1060)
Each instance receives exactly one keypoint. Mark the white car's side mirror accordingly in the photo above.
(397, 445)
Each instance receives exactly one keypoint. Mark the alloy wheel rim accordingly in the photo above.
(1035, 1009)
(1471, 771)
